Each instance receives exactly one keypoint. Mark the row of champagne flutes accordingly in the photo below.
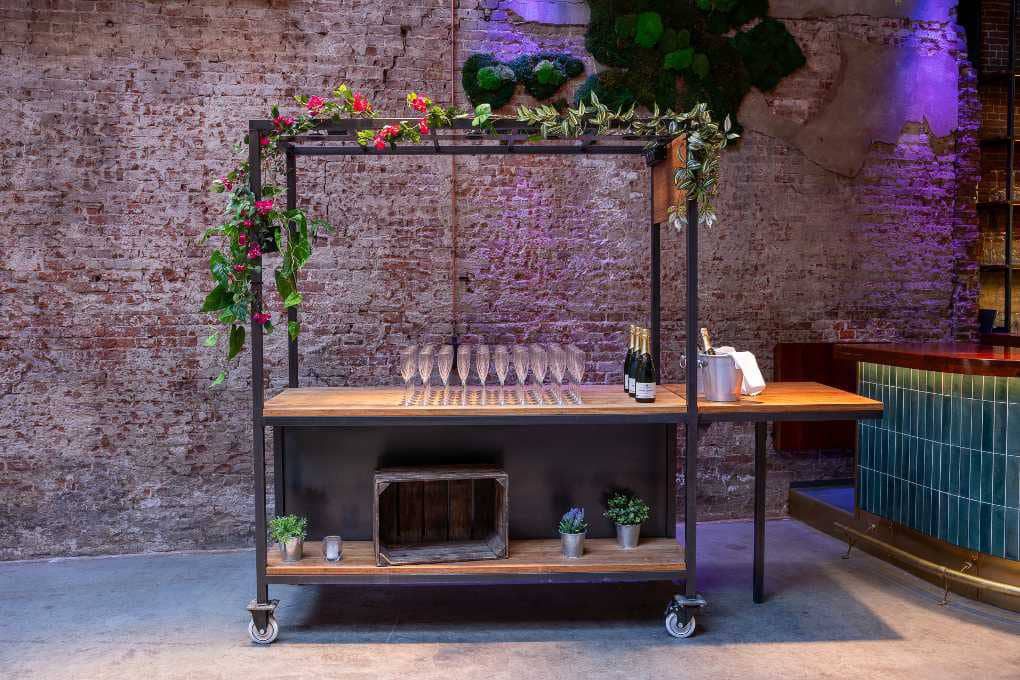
(536, 359)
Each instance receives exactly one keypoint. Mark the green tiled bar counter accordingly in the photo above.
(944, 460)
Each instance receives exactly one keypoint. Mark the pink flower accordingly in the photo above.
(263, 207)
(423, 126)
(380, 143)
(227, 184)
(254, 251)
(242, 239)
(247, 223)
(315, 105)
(239, 268)
(264, 141)
(361, 104)
(281, 122)
(261, 318)
(390, 131)
(420, 104)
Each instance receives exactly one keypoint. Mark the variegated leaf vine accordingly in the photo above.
(706, 140)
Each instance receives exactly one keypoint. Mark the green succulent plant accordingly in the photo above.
(487, 80)
(626, 509)
(287, 527)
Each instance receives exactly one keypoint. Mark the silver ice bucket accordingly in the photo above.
(720, 376)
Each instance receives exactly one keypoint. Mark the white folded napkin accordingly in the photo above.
(754, 382)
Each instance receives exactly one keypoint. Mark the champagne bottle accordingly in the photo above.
(707, 342)
(644, 388)
(632, 373)
(628, 359)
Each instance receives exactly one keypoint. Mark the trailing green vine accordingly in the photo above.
(252, 227)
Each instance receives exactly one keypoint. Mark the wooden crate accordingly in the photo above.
(428, 515)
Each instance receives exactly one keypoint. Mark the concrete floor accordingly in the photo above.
(182, 616)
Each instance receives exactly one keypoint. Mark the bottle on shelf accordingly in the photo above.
(632, 371)
(629, 358)
(707, 342)
(645, 378)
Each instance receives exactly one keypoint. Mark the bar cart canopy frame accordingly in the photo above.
(504, 137)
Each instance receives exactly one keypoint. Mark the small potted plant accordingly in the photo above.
(628, 512)
(289, 532)
(572, 532)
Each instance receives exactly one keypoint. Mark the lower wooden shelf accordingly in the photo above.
(602, 556)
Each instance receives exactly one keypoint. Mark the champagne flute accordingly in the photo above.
(521, 368)
(501, 363)
(575, 365)
(482, 366)
(463, 370)
(539, 363)
(425, 359)
(408, 364)
(557, 366)
(444, 362)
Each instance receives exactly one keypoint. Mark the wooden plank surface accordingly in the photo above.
(433, 473)
(602, 556)
(386, 401)
(778, 399)
(788, 399)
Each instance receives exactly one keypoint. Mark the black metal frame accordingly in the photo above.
(507, 137)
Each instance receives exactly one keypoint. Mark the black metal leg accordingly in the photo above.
(760, 436)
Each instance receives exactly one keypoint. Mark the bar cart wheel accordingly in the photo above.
(263, 627)
(267, 636)
(679, 619)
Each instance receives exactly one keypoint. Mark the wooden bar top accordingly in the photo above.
(779, 401)
(789, 401)
(375, 402)
(972, 359)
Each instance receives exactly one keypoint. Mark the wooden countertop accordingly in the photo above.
(779, 401)
(964, 358)
(375, 402)
(789, 401)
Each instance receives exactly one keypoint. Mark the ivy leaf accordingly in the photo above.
(220, 267)
(212, 340)
(292, 300)
(483, 112)
(236, 341)
(293, 328)
(284, 286)
(219, 379)
(218, 299)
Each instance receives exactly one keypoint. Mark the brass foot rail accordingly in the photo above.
(947, 574)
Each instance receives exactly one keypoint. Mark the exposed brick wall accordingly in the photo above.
(119, 113)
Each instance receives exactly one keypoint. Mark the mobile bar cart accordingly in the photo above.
(328, 442)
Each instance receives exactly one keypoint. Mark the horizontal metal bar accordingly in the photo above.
(932, 567)
(750, 417)
(509, 420)
(471, 579)
(475, 150)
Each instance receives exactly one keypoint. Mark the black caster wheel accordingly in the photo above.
(680, 621)
(267, 636)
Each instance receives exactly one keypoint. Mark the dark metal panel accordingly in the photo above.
(279, 499)
(671, 481)
(329, 471)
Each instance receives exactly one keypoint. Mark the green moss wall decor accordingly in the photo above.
(487, 80)
(675, 54)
